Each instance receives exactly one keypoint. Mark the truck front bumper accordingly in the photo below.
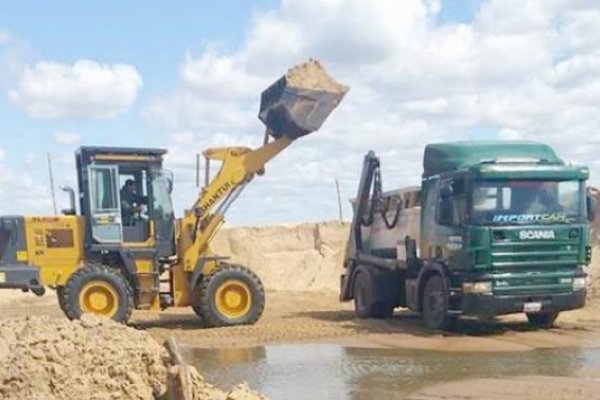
(491, 304)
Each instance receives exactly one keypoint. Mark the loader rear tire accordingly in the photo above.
(365, 304)
(97, 289)
(230, 295)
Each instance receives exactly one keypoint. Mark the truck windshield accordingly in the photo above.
(519, 202)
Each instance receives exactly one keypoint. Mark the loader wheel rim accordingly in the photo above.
(99, 298)
(233, 299)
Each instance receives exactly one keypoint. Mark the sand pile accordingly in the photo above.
(93, 359)
(312, 75)
(301, 257)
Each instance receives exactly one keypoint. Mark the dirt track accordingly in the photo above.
(319, 317)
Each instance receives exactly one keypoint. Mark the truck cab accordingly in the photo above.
(503, 229)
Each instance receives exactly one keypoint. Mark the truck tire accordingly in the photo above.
(365, 303)
(435, 305)
(231, 295)
(542, 320)
(97, 289)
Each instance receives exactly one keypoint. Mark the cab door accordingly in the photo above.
(105, 204)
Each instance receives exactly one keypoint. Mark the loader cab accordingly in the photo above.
(125, 199)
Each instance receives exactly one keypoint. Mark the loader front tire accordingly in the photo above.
(97, 289)
(230, 295)
(61, 296)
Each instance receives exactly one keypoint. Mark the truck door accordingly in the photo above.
(105, 204)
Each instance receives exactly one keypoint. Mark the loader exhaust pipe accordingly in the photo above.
(72, 210)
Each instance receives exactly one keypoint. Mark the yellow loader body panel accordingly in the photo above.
(55, 245)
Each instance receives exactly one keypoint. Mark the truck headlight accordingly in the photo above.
(477, 287)
(579, 283)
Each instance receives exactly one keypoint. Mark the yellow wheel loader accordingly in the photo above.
(125, 249)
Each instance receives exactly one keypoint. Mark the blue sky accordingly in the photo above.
(184, 77)
(151, 35)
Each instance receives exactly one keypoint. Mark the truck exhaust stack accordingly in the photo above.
(299, 102)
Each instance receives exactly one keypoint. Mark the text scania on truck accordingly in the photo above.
(495, 228)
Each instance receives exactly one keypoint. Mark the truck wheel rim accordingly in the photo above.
(99, 298)
(233, 299)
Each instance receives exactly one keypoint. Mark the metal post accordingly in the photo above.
(337, 187)
(51, 175)
(197, 170)
(207, 172)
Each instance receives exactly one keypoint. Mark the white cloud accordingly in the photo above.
(4, 37)
(532, 74)
(85, 89)
(22, 192)
(13, 53)
(2, 153)
(67, 138)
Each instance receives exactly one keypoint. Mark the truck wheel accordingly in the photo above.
(365, 305)
(99, 290)
(231, 295)
(542, 320)
(434, 304)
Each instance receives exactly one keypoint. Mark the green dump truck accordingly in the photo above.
(495, 228)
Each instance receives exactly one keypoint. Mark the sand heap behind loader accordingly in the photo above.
(122, 248)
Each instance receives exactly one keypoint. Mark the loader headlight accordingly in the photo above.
(579, 283)
(477, 287)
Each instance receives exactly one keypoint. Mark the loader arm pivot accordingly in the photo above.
(239, 165)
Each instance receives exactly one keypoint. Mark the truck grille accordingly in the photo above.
(536, 266)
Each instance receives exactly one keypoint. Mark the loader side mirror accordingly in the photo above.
(591, 204)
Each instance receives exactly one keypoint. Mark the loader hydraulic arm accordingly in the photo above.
(295, 105)
(239, 165)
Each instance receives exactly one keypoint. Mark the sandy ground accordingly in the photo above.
(292, 317)
(520, 388)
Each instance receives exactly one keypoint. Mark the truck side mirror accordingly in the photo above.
(446, 191)
(170, 184)
(444, 211)
(591, 207)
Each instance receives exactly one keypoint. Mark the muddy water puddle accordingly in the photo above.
(323, 371)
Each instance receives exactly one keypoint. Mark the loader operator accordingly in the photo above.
(131, 202)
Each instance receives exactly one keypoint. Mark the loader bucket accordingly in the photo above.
(300, 101)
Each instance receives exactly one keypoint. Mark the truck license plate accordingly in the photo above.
(532, 307)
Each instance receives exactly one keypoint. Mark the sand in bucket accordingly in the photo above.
(299, 102)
